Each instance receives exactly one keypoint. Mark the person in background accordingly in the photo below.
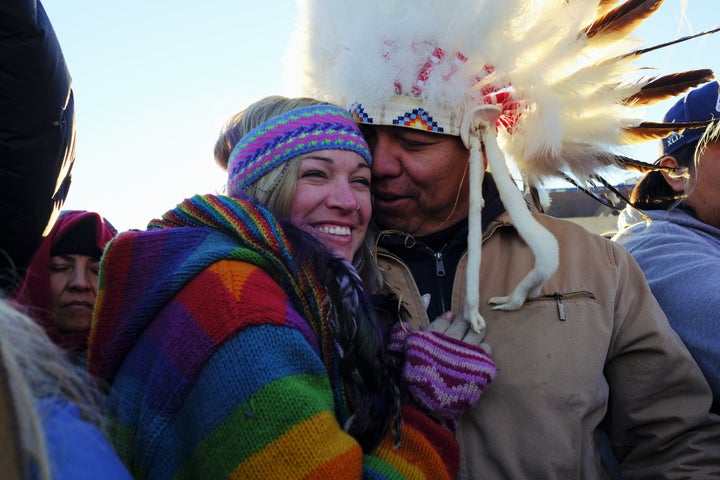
(237, 333)
(60, 286)
(37, 133)
(672, 229)
(50, 421)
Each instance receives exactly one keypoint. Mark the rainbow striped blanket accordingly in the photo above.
(220, 360)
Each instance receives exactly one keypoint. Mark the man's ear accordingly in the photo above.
(677, 181)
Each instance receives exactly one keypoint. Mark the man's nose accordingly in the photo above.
(386, 156)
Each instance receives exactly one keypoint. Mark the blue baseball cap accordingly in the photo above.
(699, 105)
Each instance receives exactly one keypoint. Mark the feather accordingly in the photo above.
(627, 163)
(537, 201)
(612, 189)
(668, 86)
(587, 190)
(615, 206)
(647, 131)
(643, 51)
(623, 19)
(605, 6)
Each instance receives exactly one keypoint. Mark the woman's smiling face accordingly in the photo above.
(332, 199)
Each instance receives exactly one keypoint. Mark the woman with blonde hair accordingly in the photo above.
(49, 414)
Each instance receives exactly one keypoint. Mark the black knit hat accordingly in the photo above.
(80, 240)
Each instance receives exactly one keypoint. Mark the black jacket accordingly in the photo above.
(433, 259)
(37, 132)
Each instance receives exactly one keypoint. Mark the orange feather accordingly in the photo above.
(669, 86)
(624, 18)
(647, 131)
(604, 6)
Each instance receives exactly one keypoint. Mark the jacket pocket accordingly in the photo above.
(561, 299)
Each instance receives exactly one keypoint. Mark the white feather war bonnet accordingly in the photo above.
(548, 84)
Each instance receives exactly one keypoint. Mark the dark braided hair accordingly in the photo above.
(652, 192)
(361, 323)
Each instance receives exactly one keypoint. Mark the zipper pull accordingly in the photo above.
(561, 307)
(439, 265)
(425, 300)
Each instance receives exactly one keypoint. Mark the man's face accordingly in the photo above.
(705, 198)
(73, 290)
(418, 179)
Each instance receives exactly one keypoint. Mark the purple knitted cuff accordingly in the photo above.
(444, 375)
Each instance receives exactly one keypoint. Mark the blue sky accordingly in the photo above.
(155, 79)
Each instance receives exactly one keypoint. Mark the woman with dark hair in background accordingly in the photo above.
(60, 285)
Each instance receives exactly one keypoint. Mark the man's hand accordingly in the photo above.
(459, 328)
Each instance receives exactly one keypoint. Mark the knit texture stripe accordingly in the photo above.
(295, 133)
(281, 458)
(258, 438)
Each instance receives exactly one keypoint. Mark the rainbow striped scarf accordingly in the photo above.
(263, 243)
(221, 228)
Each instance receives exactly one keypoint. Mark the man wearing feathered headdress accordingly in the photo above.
(445, 90)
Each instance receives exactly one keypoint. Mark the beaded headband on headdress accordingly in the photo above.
(545, 84)
(294, 133)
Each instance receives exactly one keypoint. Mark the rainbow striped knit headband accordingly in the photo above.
(299, 131)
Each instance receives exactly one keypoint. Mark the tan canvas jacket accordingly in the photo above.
(594, 341)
